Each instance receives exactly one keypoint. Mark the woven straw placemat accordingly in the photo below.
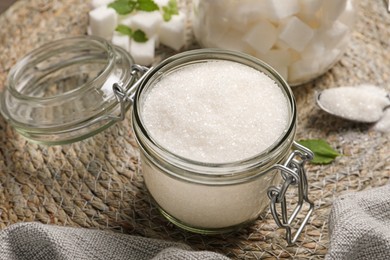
(96, 183)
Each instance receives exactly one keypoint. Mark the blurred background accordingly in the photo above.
(4, 4)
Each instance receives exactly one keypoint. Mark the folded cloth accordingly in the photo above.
(359, 225)
(40, 241)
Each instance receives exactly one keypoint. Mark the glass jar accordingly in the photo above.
(301, 39)
(62, 91)
(71, 89)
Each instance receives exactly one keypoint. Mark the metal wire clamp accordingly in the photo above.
(293, 173)
(125, 94)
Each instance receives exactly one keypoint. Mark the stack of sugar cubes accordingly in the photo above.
(301, 39)
(104, 20)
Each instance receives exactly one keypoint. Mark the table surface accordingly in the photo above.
(96, 183)
(4, 4)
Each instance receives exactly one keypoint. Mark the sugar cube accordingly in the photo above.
(232, 40)
(312, 21)
(296, 33)
(147, 21)
(310, 7)
(277, 10)
(98, 3)
(209, 29)
(102, 21)
(213, 30)
(277, 58)
(309, 12)
(143, 52)
(334, 34)
(121, 40)
(281, 45)
(172, 33)
(156, 40)
(243, 13)
(126, 20)
(262, 36)
(314, 49)
(331, 10)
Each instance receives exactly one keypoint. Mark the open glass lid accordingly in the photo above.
(63, 92)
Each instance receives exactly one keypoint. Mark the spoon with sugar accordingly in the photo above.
(363, 103)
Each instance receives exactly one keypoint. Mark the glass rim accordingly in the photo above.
(57, 47)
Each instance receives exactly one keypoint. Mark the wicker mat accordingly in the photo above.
(96, 183)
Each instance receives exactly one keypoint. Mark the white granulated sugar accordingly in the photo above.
(363, 103)
(216, 111)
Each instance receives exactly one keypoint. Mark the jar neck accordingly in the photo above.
(190, 170)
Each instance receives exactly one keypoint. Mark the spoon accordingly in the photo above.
(364, 103)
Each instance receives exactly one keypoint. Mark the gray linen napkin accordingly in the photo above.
(359, 225)
(40, 241)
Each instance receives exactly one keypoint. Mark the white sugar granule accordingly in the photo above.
(216, 111)
(363, 103)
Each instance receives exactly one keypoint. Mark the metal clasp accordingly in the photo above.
(125, 94)
(293, 173)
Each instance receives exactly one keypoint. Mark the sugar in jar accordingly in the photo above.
(301, 39)
(215, 128)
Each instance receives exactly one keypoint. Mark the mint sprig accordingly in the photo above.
(169, 10)
(124, 7)
(147, 5)
(140, 36)
(123, 29)
(137, 35)
(323, 152)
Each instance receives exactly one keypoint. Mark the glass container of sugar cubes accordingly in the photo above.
(212, 158)
(301, 39)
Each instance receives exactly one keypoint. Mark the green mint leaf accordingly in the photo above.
(123, 6)
(172, 4)
(139, 36)
(169, 10)
(167, 17)
(323, 152)
(147, 5)
(123, 29)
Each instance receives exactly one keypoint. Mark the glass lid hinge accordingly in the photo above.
(125, 96)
